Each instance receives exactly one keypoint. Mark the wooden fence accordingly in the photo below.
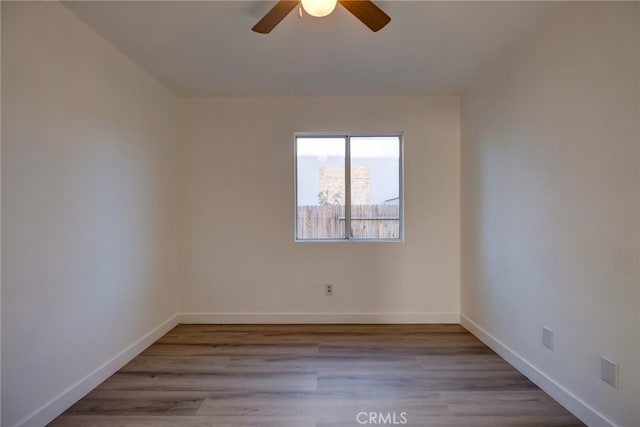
(367, 222)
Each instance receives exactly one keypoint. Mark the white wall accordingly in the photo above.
(0, 235)
(88, 198)
(551, 218)
(237, 207)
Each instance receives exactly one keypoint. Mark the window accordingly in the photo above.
(348, 187)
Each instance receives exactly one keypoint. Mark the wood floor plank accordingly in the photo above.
(493, 403)
(456, 421)
(278, 381)
(452, 362)
(139, 402)
(325, 363)
(177, 364)
(177, 421)
(394, 383)
(383, 350)
(316, 376)
(238, 349)
(317, 405)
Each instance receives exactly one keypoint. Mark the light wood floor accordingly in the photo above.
(316, 375)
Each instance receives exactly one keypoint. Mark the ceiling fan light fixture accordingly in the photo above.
(365, 10)
(319, 8)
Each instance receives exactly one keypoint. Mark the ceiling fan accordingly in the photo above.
(365, 10)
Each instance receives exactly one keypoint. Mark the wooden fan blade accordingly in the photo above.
(368, 13)
(274, 16)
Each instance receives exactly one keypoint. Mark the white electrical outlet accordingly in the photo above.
(547, 337)
(328, 289)
(609, 371)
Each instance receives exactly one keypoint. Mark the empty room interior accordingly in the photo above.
(320, 213)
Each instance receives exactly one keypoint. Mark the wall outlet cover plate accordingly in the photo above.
(609, 371)
(547, 337)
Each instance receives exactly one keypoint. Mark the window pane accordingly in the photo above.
(320, 188)
(375, 187)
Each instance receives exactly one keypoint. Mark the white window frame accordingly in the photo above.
(347, 167)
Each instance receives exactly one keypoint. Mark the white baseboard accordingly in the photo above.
(49, 411)
(573, 403)
(281, 318)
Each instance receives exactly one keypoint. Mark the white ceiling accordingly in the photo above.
(205, 48)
